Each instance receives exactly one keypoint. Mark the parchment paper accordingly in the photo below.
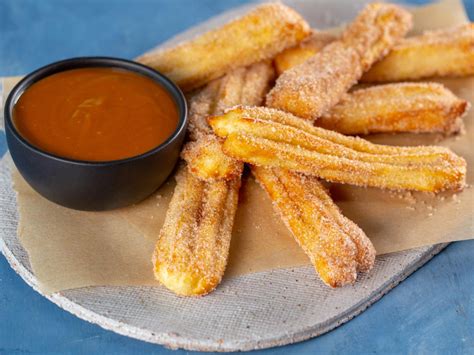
(70, 249)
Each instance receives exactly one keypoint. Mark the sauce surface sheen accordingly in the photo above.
(96, 114)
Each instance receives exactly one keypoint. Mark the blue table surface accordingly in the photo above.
(431, 312)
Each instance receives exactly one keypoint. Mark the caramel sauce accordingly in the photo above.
(96, 114)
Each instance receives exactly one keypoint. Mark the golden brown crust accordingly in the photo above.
(201, 105)
(268, 137)
(245, 86)
(311, 88)
(206, 159)
(376, 30)
(391, 108)
(256, 36)
(336, 246)
(191, 253)
(446, 52)
(298, 54)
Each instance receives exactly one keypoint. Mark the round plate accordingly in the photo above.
(249, 312)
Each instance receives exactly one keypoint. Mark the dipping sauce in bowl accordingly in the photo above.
(95, 133)
(96, 114)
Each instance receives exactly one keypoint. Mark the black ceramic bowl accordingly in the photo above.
(95, 186)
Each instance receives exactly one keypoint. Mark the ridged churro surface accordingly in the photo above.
(246, 86)
(336, 246)
(193, 245)
(298, 54)
(206, 159)
(392, 108)
(288, 152)
(191, 253)
(269, 137)
(445, 52)
(259, 35)
(308, 90)
(376, 30)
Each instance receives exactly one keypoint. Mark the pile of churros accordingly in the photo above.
(268, 91)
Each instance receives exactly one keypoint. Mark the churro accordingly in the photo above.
(191, 254)
(336, 246)
(391, 108)
(192, 249)
(311, 88)
(269, 137)
(304, 50)
(245, 86)
(206, 159)
(288, 152)
(259, 35)
(446, 52)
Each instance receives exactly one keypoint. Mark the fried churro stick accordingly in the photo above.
(311, 88)
(192, 249)
(191, 254)
(242, 86)
(404, 107)
(336, 246)
(256, 36)
(298, 54)
(269, 137)
(207, 161)
(446, 52)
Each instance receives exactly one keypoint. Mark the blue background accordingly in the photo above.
(431, 312)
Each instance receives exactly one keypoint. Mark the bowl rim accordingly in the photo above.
(91, 62)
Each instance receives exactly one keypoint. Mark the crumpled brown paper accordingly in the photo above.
(69, 249)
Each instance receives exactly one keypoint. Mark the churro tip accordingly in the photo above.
(184, 282)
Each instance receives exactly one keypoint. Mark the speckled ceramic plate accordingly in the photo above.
(287, 306)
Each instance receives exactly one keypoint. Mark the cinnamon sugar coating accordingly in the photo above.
(336, 246)
(246, 86)
(308, 90)
(289, 154)
(445, 52)
(191, 253)
(392, 108)
(259, 35)
(293, 56)
(269, 137)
